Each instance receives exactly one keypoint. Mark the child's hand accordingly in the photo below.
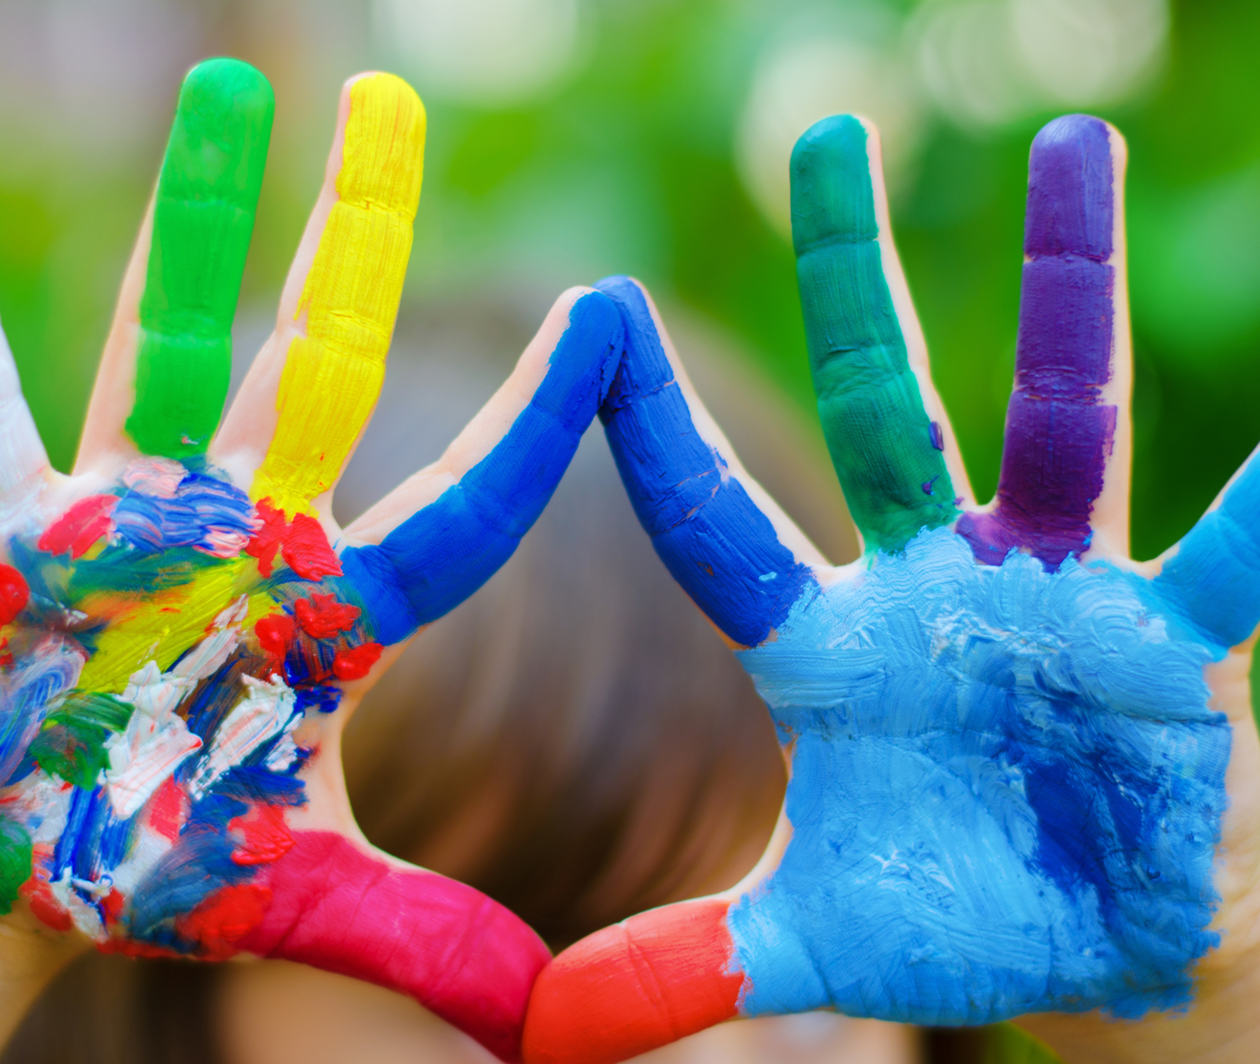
(1007, 743)
(185, 628)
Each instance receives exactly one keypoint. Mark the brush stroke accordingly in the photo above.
(1059, 432)
(971, 757)
(345, 315)
(443, 553)
(1212, 577)
(717, 544)
(203, 217)
(881, 440)
(457, 952)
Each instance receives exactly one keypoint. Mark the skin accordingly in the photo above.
(292, 599)
(968, 834)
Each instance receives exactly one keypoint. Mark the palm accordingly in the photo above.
(974, 784)
(187, 630)
(176, 667)
(1006, 742)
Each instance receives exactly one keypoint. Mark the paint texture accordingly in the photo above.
(1213, 576)
(442, 554)
(881, 440)
(1059, 432)
(458, 953)
(345, 314)
(1013, 782)
(711, 536)
(203, 216)
(148, 731)
(645, 982)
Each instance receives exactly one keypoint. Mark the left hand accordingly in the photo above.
(1007, 743)
(186, 628)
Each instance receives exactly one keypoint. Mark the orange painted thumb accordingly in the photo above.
(640, 984)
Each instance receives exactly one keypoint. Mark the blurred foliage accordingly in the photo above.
(625, 159)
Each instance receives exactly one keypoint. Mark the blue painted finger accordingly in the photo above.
(438, 557)
(1213, 577)
(715, 540)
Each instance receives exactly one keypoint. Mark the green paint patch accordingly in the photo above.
(15, 862)
(879, 435)
(71, 744)
(203, 217)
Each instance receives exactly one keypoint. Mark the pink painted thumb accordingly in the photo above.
(455, 951)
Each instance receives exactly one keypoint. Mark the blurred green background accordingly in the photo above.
(569, 140)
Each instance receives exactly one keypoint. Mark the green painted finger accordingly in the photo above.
(203, 215)
(886, 450)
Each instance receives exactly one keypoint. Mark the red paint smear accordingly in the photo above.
(322, 616)
(14, 594)
(80, 526)
(457, 952)
(168, 809)
(306, 550)
(635, 986)
(302, 543)
(224, 918)
(354, 663)
(39, 897)
(112, 906)
(276, 633)
(127, 947)
(265, 835)
(265, 542)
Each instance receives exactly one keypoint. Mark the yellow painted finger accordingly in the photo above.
(345, 315)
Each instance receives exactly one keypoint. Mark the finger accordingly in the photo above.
(169, 353)
(1067, 434)
(866, 350)
(336, 906)
(317, 380)
(643, 983)
(24, 466)
(729, 546)
(469, 510)
(1212, 577)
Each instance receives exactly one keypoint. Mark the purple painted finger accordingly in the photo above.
(1062, 417)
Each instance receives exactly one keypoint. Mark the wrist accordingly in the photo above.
(30, 957)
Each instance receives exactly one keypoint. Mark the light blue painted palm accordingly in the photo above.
(1006, 790)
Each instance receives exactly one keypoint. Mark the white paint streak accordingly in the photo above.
(266, 711)
(155, 742)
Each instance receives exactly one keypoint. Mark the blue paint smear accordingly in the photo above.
(201, 507)
(1214, 577)
(1006, 788)
(182, 879)
(711, 536)
(442, 554)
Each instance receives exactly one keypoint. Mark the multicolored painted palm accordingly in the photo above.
(1007, 743)
(185, 628)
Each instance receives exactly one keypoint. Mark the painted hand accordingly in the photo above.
(185, 628)
(1006, 742)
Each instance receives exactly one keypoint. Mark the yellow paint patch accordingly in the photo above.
(162, 626)
(334, 370)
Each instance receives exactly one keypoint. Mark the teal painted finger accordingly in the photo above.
(203, 216)
(886, 450)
